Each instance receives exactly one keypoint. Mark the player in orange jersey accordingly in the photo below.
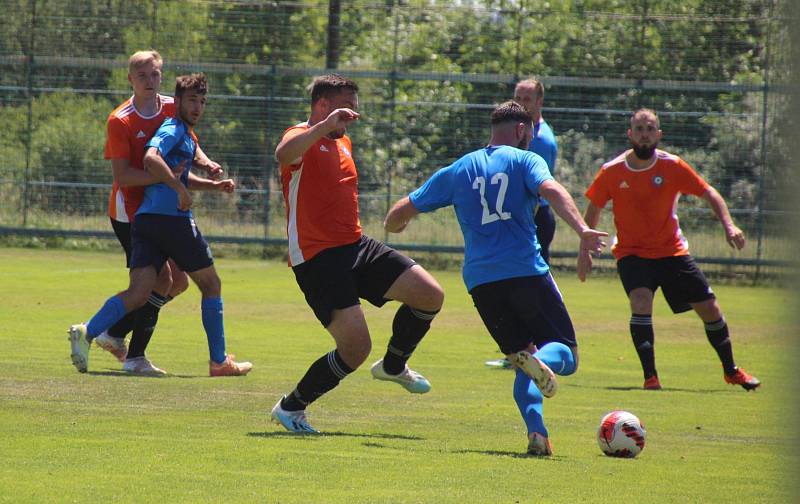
(129, 127)
(645, 183)
(335, 264)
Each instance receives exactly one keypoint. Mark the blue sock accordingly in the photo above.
(215, 330)
(529, 402)
(558, 357)
(111, 312)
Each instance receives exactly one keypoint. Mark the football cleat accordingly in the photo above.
(652, 383)
(408, 378)
(79, 346)
(142, 366)
(229, 367)
(499, 363)
(740, 377)
(112, 345)
(539, 445)
(538, 371)
(293, 421)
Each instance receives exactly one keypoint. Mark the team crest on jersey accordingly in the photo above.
(658, 180)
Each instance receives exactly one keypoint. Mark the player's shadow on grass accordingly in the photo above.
(124, 374)
(377, 435)
(502, 453)
(655, 392)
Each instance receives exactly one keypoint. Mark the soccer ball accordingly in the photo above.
(621, 434)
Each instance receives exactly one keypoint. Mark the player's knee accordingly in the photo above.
(641, 301)
(355, 351)
(430, 299)
(180, 282)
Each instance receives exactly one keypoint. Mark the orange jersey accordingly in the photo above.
(645, 204)
(321, 196)
(127, 132)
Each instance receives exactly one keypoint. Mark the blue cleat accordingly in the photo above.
(409, 379)
(293, 421)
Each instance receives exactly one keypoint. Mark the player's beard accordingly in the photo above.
(336, 134)
(523, 144)
(644, 152)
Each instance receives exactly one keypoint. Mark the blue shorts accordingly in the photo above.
(155, 238)
(523, 310)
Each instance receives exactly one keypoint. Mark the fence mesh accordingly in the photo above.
(430, 72)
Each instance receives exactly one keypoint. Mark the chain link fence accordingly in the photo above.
(430, 72)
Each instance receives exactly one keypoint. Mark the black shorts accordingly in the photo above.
(337, 277)
(518, 311)
(156, 238)
(679, 278)
(123, 232)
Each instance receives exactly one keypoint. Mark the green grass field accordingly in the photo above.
(108, 437)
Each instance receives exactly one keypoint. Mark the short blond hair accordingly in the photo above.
(534, 83)
(140, 58)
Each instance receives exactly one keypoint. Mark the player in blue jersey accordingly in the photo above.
(164, 228)
(530, 94)
(494, 192)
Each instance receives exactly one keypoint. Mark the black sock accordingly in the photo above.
(408, 329)
(144, 325)
(323, 376)
(123, 326)
(643, 340)
(717, 333)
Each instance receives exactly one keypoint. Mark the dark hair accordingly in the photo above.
(326, 86)
(196, 82)
(511, 111)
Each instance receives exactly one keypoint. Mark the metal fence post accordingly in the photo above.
(29, 62)
(392, 111)
(763, 174)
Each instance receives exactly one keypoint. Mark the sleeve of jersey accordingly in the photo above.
(117, 145)
(554, 155)
(597, 191)
(165, 139)
(288, 135)
(437, 192)
(536, 171)
(691, 182)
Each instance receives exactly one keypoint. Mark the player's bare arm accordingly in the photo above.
(591, 239)
(585, 261)
(125, 176)
(203, 162)
(733, 234)
(158, 168)
(197, 183)
(400, 215)
(290, 150)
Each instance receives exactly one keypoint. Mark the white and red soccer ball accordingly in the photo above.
(621, 434)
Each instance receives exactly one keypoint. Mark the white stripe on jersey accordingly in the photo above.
(122, 214)
(295, 254)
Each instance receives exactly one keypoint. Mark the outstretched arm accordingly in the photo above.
(290, 150)
(399, 216)
(212, 168)
(733, 234)
(564, 205)
(204, 184)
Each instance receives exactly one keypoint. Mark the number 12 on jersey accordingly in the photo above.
(480, 184)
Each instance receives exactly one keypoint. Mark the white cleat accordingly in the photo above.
(538, 371)
(293, 421)
(539, 446)
(409, 379)
(142, 366)
(79, 347)
(114, 346)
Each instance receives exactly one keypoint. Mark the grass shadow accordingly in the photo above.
(124, 374)
(503, 453)
(640, 389)
(378, 435)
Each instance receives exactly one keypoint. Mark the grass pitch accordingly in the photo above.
(108, 437)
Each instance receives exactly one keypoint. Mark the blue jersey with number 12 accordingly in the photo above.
(494, 192)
